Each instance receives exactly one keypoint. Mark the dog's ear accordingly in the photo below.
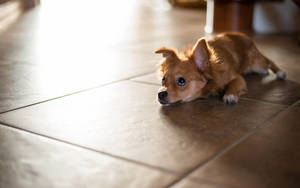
(168, 53)
(201, 54)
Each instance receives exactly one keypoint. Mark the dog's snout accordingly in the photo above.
(162, 95)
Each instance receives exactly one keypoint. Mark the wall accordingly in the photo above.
(276, 17)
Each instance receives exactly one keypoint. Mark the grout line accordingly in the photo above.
(51, 99)
(138, 75)
(91, 149)
(262, 101)
(144, 82)
(5, 59)
(237, 142)
(77, 92)
(200, 181)
(152, 72)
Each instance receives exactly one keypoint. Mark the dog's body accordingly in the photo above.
(211, 67)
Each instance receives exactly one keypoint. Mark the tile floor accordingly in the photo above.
(78, 107)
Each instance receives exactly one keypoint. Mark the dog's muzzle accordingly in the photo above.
(162, 97)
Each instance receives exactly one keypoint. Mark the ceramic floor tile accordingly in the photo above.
(125, 119)
(177, 41)
(22, 83)
(31, 161)
(269, 89)
(269, 158)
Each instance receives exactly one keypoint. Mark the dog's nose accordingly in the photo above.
(162, 95)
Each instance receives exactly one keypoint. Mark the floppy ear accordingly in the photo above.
(166, 52)
(201, 54)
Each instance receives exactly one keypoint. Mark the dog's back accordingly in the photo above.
(233, 49)
(239, 52)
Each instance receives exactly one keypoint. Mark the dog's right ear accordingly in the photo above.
(168, 53)
(201, 54)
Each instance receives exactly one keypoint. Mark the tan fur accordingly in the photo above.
(212, 66)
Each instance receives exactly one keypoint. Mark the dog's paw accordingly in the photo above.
(281, 75)
(230, 99)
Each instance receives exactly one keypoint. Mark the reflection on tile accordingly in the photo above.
(269, 158)
(176, 42)
(41, 35)
(124, 119)
(270, 89)
(27, 160)
(190, 183)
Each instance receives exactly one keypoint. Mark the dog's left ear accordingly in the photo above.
(201, 54)
(168, 53)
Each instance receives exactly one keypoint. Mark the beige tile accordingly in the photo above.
(23, 83)
(269, 158)
(40, 36)
(31, 161)
(124, 119)
(191, 183)
(269, 89)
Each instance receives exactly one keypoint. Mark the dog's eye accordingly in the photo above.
(163, 80)
(181, 81)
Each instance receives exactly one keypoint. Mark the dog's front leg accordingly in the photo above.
(210, 89)
(234, 90)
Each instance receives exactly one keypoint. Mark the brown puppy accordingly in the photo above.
(210, 67)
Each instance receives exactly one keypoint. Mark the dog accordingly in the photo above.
(211, 67)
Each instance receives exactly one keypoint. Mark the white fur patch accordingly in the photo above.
(230, 99)
(281, 75)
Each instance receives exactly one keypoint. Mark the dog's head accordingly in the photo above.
(183, 74)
